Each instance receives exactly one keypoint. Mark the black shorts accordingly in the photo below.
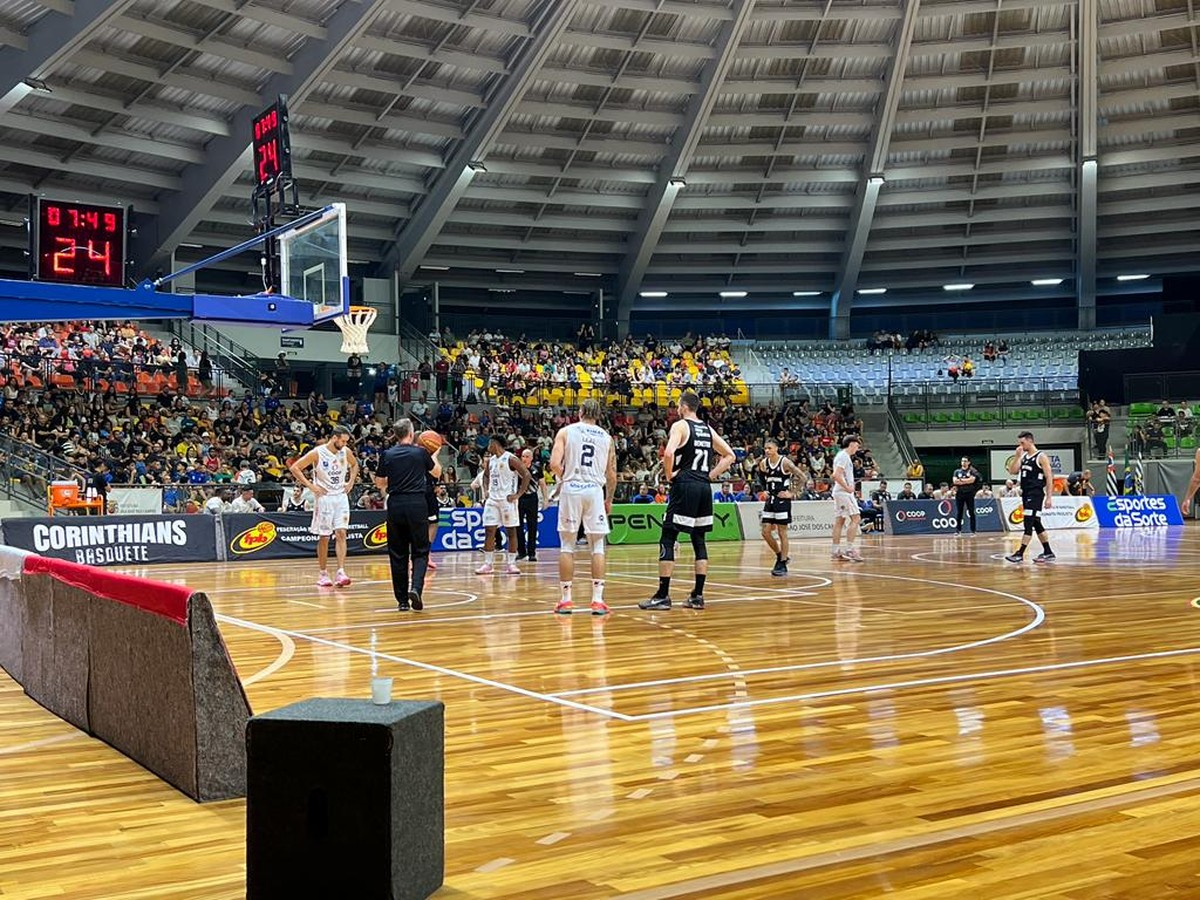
(690, 507)
(1032, 503)
(431, 506)
(777, 511)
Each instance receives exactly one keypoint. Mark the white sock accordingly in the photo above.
(837, 545)
(511, 558)
(489, 557)
(598, 589)
(566, 591)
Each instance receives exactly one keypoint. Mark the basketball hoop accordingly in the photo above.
(354, 327)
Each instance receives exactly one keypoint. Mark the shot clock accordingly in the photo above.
(272, 145)
(79, 243)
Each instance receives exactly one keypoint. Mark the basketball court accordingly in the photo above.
(930, 719)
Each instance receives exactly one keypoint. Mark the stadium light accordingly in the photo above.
(437, 268)
(652, 294)
(1046, 282)
(510, 271)
(1132, 277)
(872, 290)
(587, 275)
(732, 295)
(958, 287)
(806, 293)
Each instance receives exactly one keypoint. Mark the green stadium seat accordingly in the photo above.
(974, 417)
(1142, 409)
(1169, 440)
(1035, 415)
(911, 418)
(939, 418)
(1015, 415)
(988, 415)
(1188, 443)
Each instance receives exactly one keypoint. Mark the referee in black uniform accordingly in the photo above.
(527, 509)
(403, 472)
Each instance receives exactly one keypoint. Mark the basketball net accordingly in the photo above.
(354, 327)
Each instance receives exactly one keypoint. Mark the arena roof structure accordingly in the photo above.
(800, 151)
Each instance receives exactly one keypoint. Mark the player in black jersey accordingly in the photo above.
(1037, 492)
(689, 466)
(431, 512)
(775, 475)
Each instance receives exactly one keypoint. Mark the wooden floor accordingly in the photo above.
(929, 724)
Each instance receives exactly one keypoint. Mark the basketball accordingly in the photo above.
(430, 440)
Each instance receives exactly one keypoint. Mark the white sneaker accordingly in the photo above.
(512, 569)
(852, 555)
(324, 580)
(485, 569)
(341, 579)
(835, 554)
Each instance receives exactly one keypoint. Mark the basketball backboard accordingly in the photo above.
(313, 264)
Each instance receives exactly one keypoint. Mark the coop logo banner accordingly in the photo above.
(1137, 512)
(1065, 512)
(937, 516)
(462, 529)
(117, 540)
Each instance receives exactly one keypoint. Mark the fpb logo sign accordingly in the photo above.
(376, 537)
(253, 539)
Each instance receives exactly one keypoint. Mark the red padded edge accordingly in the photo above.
(167, 600)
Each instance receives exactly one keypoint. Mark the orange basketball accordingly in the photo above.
(430, 440)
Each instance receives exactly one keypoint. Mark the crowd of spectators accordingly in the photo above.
(97, 355)
(490, 366)
(918, 341)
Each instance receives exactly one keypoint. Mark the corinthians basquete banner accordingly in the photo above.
(116, 540)
(286, 535)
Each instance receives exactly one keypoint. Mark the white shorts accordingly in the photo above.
(500, 513)
(581, 502)
(845, 506)
(331, 513)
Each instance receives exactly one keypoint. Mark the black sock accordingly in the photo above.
(1046, 547)
(778, 557)
(1021, 550)
(699, 591)
(664, 587)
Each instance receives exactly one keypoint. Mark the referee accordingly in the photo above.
(527, 509)
(403, 472)
(966, 486)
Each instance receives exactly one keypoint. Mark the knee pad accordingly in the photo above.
(666, 544)
(1029, 525)
(566, 540)
(698, 546)
(1039, 527)
(597, 542)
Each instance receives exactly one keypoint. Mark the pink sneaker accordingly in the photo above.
(431, 565)
(599, 608)
(342, 579)
(512, 569)
(564, 607)
(485, 569)
(324, 580)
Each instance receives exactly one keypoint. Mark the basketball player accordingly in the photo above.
(334, 472)
(1192, 487)
(431, 510)
(689, 468)
(845, 505)
(505, 479)
(1036, 475)
(585, 460)
(776, 473)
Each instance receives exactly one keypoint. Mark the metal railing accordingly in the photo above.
(26, 470)
(102, 375)
(895, 425)
(417, 345)
(224, 352)
(1161, 438)
(984, 403)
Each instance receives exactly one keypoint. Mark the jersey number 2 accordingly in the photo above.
(586, 454)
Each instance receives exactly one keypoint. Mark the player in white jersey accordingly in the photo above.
(334, 472)
(845, 504)
(585, 461)
(505, 479)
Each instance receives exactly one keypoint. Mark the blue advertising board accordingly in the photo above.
(1137, 511)
(462, 528)
(937, 516)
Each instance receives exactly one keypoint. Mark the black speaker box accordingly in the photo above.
(345, 799)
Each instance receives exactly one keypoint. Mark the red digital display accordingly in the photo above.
(80, 243)
(272, 150)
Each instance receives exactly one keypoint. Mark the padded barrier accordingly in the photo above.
(139, 664)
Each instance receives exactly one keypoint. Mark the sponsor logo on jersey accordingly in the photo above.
(253, 539)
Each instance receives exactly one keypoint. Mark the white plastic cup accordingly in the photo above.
(381, 691)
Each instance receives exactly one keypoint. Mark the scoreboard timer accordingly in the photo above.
(79, 243)
(272, 145)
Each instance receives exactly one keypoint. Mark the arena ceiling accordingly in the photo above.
(776, 147)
